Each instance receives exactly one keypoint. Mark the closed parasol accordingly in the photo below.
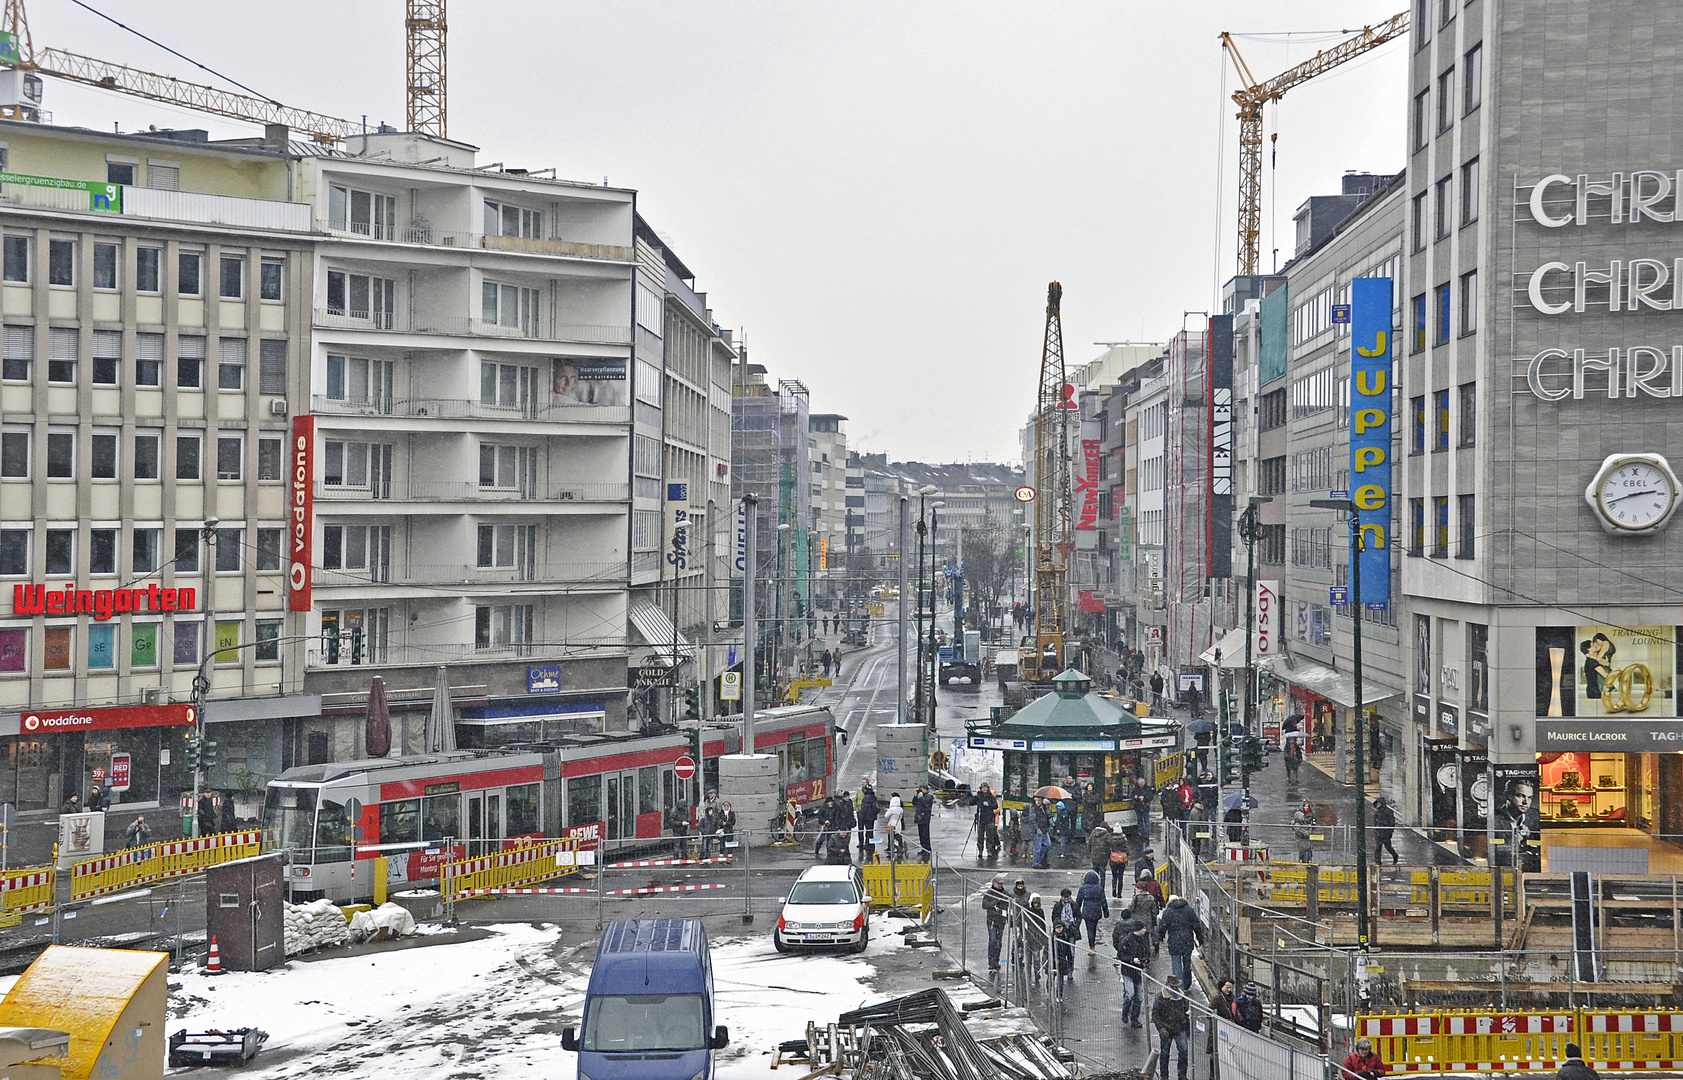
(379, 732)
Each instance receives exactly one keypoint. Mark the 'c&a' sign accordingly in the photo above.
(1370, 432)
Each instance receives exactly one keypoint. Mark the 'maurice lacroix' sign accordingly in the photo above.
(129, 716)
(102, 604)
(302, 463)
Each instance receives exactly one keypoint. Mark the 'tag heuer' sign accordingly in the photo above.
(41, 722)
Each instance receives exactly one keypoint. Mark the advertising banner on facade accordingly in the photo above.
(1221, 446)
(1370, 433)
(589, 382)
(677, 528)
(1265, 635)
(1607, 671)
(301, 511)
(1088, 470)
(1443, 771)
(1518, 828)
(739, 555)
(1475, 793)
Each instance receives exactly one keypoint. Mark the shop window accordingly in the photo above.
(1478, 667)
(102, 647)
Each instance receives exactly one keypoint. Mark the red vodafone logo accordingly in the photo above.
(32, 723)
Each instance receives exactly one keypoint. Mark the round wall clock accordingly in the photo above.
(1633, 494)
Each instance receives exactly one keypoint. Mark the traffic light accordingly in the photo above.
(1230, 763)
(692, 703)
(207, 754)
(1254, 754)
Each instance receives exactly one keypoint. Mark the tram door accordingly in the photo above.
(622, 805)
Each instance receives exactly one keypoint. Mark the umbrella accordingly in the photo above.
(1201, 726)
(1232, 801)
(379, 733)
(1296, 735)
(1053, 791)
(441, 721)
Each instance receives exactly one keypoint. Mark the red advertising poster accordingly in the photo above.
(589, 836)
(127, 716)
(121, 766)
(301, 510)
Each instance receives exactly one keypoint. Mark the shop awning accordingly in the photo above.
(1338, 686)
(658, 633)
(1232, 648)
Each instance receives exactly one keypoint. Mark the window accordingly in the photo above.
(357, 296)
(269, 544)
(1271, 479)
(1469, 414)
(1419, 224)
(1465, 517)
(61, 455)
(362, 212)
(269, 465)
(17, 350)
(148, 545)
(186, 457)
(230, 457)
(1440, 526)
(507, 547)
(1312, 394)
(1443, 211)
(1440, 434)
(1446, 100)
(14, 455)
(358, 547)
(1472, 88)
(1478, 667)
(1448, 11)
(120, 172)
(355, 636)
(1417, 526)
(1273, 410)
(1422, 119)
(62, 347)
(268, 640)
(271, 366)
(188, 265)
(107, 356)
(359, 465)
(102, 551)
(1417, 410)
(102, 461)
(14, 552)
(163, 176)
(146, 262)
(504, 220)
(56, 648)
(146, 456)
(186, 650)
(61, 551)
(1271, 547)
(105, 266)
(148, 359)
(230, 547)
(503, 626)
(508, 386)
(61, 262)
(1469, 302)
(1422, 23)
(186, 550)
(16, 262)
(360, 380)
(510, 467)
(511, 306)
(269, 283)
(102, 646)
(189, 362)
(143, 645)
(232, 278)
(1469, 192)
(1420, 323)
(230, 364)
(1443, 314)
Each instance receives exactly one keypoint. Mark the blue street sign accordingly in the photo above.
(1340, 595)
(1341, 314)
(1341, 494)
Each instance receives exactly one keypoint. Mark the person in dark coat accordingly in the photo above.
(996, 905)
(1098, 850)
(1092, 808)
(1066, 931)
(1249, 1007)
(1040, 820)
(843, 821)
(1132, 940)
(228, 824)
(1574, 1067)
(207, 814)
(710, 832)
(826, 822)
(1181, 930)
(923, 809)
(1092, 905)
(138, 832)
(1384, 824)
(1225, 1003)
(869, 808)
(1063, 827)
(987, 823)
(1173, 1021)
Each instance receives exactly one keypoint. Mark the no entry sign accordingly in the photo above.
(684, 767)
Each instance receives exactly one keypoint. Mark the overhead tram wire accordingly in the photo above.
(172, 52)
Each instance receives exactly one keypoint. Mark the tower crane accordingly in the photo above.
(1252, 96)
(1051, 516)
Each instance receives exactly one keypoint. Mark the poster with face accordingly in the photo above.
(1444, 783)
(1624, 670)
(1518, 827)
(590, 382)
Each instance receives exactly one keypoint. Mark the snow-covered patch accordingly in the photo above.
(496, 1006)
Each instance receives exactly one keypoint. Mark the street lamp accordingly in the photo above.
(201, 680)
(782, 615)
(923, 536)
(1348, 506)
(934, 606)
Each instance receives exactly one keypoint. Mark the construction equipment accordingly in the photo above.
(1253, 95)
(424, 36)
(1051, 515)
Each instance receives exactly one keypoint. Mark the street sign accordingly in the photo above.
(1154, 635)
(1024, 494)
(730, 686)
(684, 767)
(1340, 494)
(654, 675)
(1340, 595)
(1341, 314)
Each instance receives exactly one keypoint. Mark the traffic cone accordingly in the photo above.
(214, 966)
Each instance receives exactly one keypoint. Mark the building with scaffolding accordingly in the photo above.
(771, 432)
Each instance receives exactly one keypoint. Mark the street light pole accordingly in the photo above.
(201, 681)
(922, 533)
(903, 613)
(934, 606)
(1348, 506)
(750, 624)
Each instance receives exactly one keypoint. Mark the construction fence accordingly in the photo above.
(1494, 1041)
(149, 863)
(26, 889)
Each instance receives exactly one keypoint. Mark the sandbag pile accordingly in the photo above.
(311, 926)
(384, 922)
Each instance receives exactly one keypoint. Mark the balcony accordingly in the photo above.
(570, 412)
(470, 491)
(189, 206)
(469, 575)
(429, 656)
(426, 237)
(465, 326)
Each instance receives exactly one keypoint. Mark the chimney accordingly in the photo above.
(278, 136)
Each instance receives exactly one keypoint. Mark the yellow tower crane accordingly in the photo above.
(1051, 515)
(424, 35)
(1253, 95)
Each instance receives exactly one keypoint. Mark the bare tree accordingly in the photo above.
(988, 560)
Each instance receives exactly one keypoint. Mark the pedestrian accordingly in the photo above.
(727, 826)
(987, 823)
(1574, 1067)
(1120, 878)
(1066, 931)
(207, 814)
(1098, 850)
(824, 659)
(710, 833)
(1157, 689)
(1188, 796)
(1294, 759)
(1172, 1019)
(1303, 825)
(1142, 809)
(826, 816)
(835, 658)
(1225, 1003)
(93, 798)
(1181, 929)
(1063, 827)
(1019, 893)
(138, 833)
(1040, 820)
(1132, 940)
(1363, 1064)
(923, 809)
(1234, 818)
(1143, 909)
(869, 808)
(843, 822)
(1198, 831)
(1148, 869)
(1384, 823)
(1249, 1007)
(1092, 808)
(996, 903)
(229, 822)
(678, 824)
(1034, 934)
(72, 805)
(893, 820)
(1092, 905)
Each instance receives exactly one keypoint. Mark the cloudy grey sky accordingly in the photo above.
(876, 193)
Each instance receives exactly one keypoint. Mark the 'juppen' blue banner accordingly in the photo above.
(1370, 432)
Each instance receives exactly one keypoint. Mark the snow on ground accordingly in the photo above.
(496, 1006)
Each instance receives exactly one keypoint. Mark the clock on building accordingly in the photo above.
(1633, 494)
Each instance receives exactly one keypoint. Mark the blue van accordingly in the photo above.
(649, 1006)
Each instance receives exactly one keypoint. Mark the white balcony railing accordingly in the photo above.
(469, 575)
(392, 655)
(429, 237)
(563, 411)
(469, 491)
(466, 326)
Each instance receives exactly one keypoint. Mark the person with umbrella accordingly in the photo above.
(1294, 754)
(1040, 821)
(1236, 804)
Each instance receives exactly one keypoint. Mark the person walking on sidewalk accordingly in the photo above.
(1225, 1003)
(1093, 905)
(1384, 823)
(923, 809)
(1132, 940)
(842, 822)
(1040, 820)
(987, 823)
(1172, 1019)
(1142, 810)
(1249, 1007)
(1181, 930)
(1294, 759)
(1066, 931)
(893, 821)
(1303, 825)
(1574, 1067)
(867, 813)
(1144, 909)
(1157, 690)
(1098, 850)
(996, 905)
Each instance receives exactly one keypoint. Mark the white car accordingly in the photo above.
(827, 907)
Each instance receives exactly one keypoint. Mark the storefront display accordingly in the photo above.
(62, 753)
(1585, 788)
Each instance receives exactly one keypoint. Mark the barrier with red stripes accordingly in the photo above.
(524, 865)
(662, 889)
(166, 859)
(671, 862)
(1496, 1041)
(528, 892)
(28, 888)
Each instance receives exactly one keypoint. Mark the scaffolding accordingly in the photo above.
(1186, 507)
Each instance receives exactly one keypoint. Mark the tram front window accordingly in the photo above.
(289, 815)
(333, 833)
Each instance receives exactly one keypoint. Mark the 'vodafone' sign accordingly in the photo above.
(301, 512)
(39, 722)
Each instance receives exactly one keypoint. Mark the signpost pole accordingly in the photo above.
(750, 627)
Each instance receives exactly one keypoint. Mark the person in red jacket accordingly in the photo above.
(1362, 1063)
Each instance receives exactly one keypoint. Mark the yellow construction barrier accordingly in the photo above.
(511, 869)
(1498, 1041)
(28, 888)
(159, 862)
(901, 885)
(1288, 884)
